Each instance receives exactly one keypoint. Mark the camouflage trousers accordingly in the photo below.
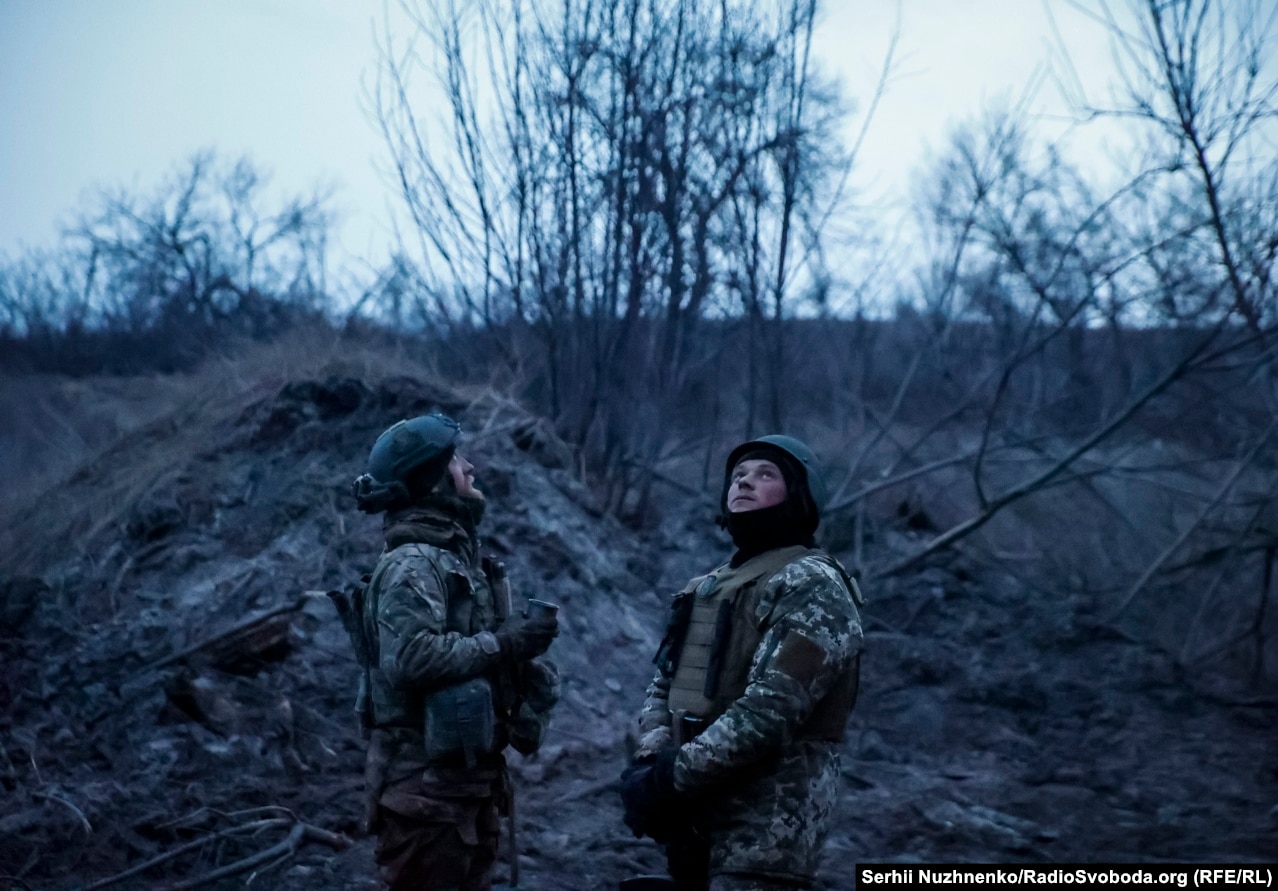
(437, 836)
(688, 861)
(747, 883)
(765, 831)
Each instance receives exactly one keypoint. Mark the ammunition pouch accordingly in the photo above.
(667, 658)
(461, 721)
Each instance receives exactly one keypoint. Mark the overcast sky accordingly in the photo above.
(120, 92)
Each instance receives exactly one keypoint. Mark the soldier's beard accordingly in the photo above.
(469, 492)
(468, 510)
(470, 503)
(474, 506)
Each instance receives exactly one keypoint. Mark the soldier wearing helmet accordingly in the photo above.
(737, 766)
(450, 675)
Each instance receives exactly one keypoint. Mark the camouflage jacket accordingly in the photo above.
(766, 789)
(429, 614)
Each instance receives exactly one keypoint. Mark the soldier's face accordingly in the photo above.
(463, 474)
(756, 483)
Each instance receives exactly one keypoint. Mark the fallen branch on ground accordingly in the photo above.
(273, 855)
(239, 629)
(299, 833)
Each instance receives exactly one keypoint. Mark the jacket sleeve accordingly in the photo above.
(654, 718)
(414, 651)
(811, 635)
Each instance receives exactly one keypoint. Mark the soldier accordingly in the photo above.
(449, 671)
(737, 767)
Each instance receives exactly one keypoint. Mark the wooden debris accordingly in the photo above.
(299, 833)
(245, 645)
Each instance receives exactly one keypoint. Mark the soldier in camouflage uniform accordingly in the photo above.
(447, 683)
(737, 767)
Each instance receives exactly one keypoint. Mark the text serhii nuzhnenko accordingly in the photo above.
(1028, 875)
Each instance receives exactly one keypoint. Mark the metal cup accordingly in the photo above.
(540, 609)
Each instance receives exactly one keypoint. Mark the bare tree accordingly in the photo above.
(605, 175)
(202, 247)
(1174, 271)
(204, 251)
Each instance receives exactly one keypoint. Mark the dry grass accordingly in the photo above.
(82, 453)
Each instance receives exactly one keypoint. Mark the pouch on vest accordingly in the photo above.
(460, 720)
(350, 610)
(671, 647)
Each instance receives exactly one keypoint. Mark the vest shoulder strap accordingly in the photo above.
(762, 568)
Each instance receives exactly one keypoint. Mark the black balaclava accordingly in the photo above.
(792, 522)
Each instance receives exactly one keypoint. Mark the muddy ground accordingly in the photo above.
(176, 691)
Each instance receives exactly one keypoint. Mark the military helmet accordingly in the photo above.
(407, 445)
(406, 461)
(805, 462)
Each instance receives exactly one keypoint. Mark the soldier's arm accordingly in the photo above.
(813, 634)
(654, 718)
(414, 650)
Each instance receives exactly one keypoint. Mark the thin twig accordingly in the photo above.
(588, 790)
(1180, 539)
(286, 848)
(198, 813)
(52, 796)
(180, 850)
(1186, 364)
(267, 868)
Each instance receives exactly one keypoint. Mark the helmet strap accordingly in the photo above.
(373, 497)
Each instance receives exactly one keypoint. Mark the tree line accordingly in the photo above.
(625, 211)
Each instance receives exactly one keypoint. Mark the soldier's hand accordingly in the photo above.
(649, 797)
(521, 638)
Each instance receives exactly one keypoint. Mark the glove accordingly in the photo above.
(521, 639)
(649, 796)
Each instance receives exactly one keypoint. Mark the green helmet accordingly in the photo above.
(406, 462)
(805, 462)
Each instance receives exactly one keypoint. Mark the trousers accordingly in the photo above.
(688, 861)
(433, 836)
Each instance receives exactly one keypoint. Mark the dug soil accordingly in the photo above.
(176, 689)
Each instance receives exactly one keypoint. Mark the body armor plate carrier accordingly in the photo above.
(712, 638)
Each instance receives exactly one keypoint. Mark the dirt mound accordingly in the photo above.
(175, 696)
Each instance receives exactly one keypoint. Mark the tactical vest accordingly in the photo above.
(713, 637)
(469, 610)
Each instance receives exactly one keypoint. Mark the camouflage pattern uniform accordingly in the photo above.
(764, 773)
(430, 612)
